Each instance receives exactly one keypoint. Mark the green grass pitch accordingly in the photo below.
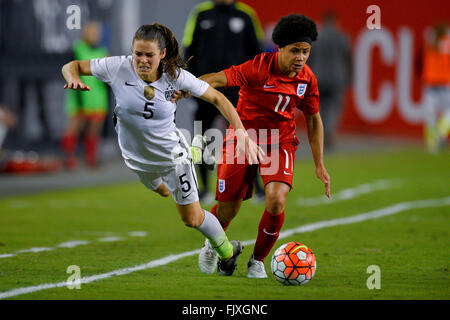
(411, 247)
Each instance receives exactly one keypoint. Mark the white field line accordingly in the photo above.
(137, 234)
(375, 214)
(110, 239)
(345, 194)
(36, 249)
(73, 243)
(350, 193)
(60, 204)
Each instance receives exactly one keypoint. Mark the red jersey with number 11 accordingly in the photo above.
(267, 97)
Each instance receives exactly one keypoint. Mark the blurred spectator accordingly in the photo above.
(7, 118)
(436, 79)
(7, 121)
(34, 42)
(33, 45)
(219, 34)
(331, 62)
(86, 107)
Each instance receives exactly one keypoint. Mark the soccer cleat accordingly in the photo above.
(201, 153)
(207, 259)
(227, 267)
(256, 269)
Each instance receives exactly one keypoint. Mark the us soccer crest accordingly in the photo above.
(169, 92)
(301, 89)
(221, 185)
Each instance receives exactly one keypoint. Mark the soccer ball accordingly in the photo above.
(293, 264)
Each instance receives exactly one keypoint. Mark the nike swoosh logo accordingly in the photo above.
(129, 84)
(184, 197)
(268, 87)
(269, 233)
(287, 173)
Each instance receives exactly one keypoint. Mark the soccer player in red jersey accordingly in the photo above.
(271, 85)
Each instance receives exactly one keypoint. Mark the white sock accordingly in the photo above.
(212, 230)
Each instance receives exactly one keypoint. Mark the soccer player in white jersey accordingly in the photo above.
(151, 145)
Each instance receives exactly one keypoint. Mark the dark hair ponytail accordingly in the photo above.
(173, 60)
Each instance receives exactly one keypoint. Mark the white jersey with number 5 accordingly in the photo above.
(148, 137)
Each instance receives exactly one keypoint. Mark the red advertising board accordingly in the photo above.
(386, 96)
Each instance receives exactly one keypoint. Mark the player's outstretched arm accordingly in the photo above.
(315, 136)
(216, 79)
(244, 144)
(72, 72)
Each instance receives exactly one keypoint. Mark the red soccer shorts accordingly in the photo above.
(235, 180)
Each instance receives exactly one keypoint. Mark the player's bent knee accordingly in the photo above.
(162, 190)
(191, 215)
(276, 195)
(165, 193)
(275, 204)
(192, 221)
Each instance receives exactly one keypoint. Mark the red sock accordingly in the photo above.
(91, 149)
(69, 144)
(214, 212)
(268, 232)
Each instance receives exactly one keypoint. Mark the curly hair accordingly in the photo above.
(294, 28)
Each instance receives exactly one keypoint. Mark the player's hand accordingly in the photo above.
(77, 85)
(247, 146)
(180, 94)
(323, 175)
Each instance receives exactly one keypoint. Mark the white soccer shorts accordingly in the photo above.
(181, 182)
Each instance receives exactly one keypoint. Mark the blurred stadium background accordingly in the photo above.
(383, 107)
(384, 104)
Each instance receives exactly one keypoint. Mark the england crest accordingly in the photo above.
(221, 185)
(301, 89)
